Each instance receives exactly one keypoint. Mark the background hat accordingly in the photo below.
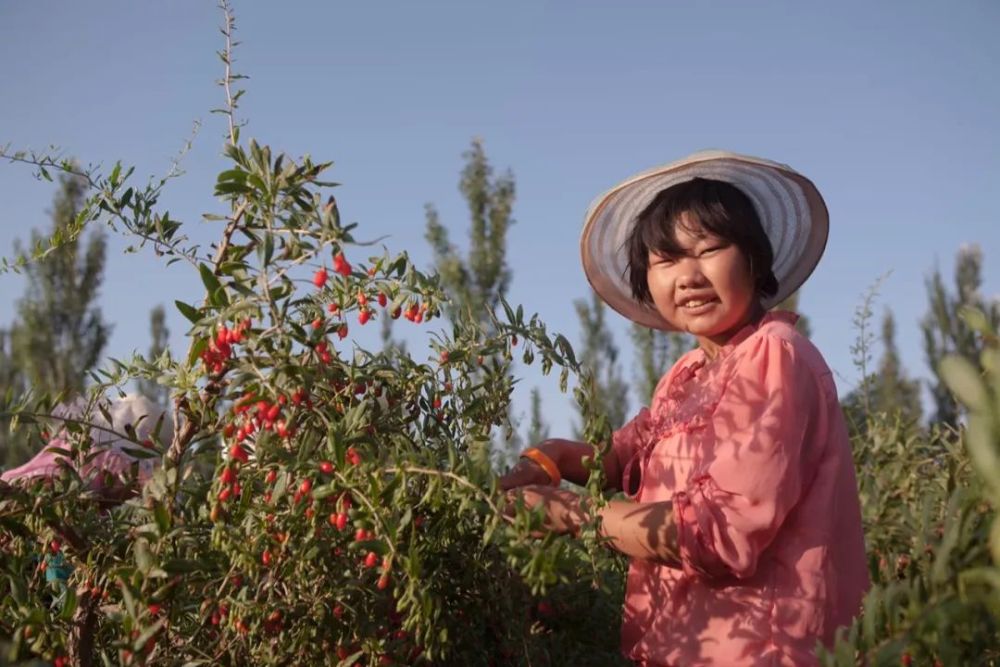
(791, 211)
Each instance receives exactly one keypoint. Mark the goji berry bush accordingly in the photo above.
(318, 503)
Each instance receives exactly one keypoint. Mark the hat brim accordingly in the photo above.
(791, 210)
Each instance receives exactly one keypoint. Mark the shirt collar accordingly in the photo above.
(748, 330)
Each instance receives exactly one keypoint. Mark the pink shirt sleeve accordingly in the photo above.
(764, 426)
(626, 442)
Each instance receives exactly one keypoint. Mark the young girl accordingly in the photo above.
(743, 524)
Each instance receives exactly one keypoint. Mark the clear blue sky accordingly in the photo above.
(892, 108)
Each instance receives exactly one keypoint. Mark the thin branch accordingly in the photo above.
(35, 160)
(70, 420)
(450, 475)
(227, 30)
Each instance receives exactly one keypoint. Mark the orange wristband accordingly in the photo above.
(543, 459)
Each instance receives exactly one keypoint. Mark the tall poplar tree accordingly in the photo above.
(895, 392)
(599, 353)
(478, 280)
(58, 334)
(891, 391)
(945, 332)
(538, 430)
(655, 352)
(160, 340)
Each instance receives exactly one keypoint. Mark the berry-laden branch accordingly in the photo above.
(314, 484)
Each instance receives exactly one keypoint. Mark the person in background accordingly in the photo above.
(113, 474)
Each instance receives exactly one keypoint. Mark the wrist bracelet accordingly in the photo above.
(543, 459)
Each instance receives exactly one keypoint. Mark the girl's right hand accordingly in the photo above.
(524, 473)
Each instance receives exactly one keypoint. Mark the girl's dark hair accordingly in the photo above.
(719, 208)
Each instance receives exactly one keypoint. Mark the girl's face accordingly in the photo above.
(708, 291)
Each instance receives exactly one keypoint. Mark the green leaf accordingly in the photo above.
(127, 597)
(183, 566)
(981, 441)
(199, 346)
(321, 492)
(143, 559)
(230, 188)
(280, 485)
(237, 175)
(351, 659)
(964, 381)
(69, 604)
(17, 591)
(405, 520)
(140, 642)
(216, 293)
(188, 311)
(162, 517)
(995, 543)
(140, 453)
(268, 247)
(975, 318)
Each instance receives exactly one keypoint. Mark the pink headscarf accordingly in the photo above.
(134, 410)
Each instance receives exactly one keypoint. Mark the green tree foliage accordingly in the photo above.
(59, 333)
(160, 340)
(14, 447)
(792, 304)
(351, 515)
(11, 379)
(655, 353)
(351, 509)
(929, 501)
(946, 333)
(895, 392)
(888, 391)
(538, 430)
(390, 345)
(599, 355)
(479, 281)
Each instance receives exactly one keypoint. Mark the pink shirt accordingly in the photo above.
(753, 451)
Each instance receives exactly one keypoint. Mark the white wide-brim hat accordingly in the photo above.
(790, 208)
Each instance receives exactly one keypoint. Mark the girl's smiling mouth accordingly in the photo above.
(695, 302)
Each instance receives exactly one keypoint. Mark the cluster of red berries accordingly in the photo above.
(272, 624)
(219, 349)
(252, 415)
(340, 265)
(323, 349)
(230, 482)
(340, 518)
(219, 614)
(414, 313)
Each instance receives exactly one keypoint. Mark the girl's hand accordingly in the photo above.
(563, 513)
(524, 473)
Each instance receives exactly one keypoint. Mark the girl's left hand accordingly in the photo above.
(563, 513)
